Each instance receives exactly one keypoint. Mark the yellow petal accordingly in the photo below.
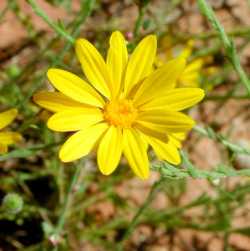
(175, 100)
(160, 81)
(188, 81)
(177, 138)
(3, 148)
(187, 51)
(140, 63)
(93, 66)
(168, 121)
(194, 66)
(175, 142)
(135, 152)
(82, 142)
(117, 61)
(7, 117)
(56, 101)
(152, 130)
(74, 120)
(9, 138)
(74, 87)
(110, 150)
(165, 151)
(191, 74)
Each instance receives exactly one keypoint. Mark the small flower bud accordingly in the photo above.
(55, 239)
(12, 203)
(13, 71)
(216, 182)
(129, 36)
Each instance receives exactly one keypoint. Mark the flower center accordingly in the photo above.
(120, 113)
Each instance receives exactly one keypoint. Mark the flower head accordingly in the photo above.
(123, 108)
(6, 137)
(190, 76)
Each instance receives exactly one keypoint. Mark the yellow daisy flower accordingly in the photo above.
(124, 108)
(191, 74)
(6, 137)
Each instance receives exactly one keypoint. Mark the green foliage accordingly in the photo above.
(12, 204)
(227, 42)
(59, 198)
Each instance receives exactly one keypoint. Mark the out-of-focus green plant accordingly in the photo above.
(12, 204)
(75, 189)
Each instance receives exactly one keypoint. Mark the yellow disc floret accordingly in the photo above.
(120, 113)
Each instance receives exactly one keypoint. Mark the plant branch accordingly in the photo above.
(226, 41)
(140, 211)
(210, 133)
(139, 21)
(236, 32)
(169, 171)
(67, 203)
(47, 19)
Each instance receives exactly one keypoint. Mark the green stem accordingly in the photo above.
(67, 203)
(210, 133)
(29, 151)
(75, 25)
(170, 171)
(227, 42)
(225, 97)
(85, 11)
(139, 21)
(237, 32)
(46, 18)
(140, 211)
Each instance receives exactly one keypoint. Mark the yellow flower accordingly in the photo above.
(125, 108)
(6, 137)
(191, 74)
